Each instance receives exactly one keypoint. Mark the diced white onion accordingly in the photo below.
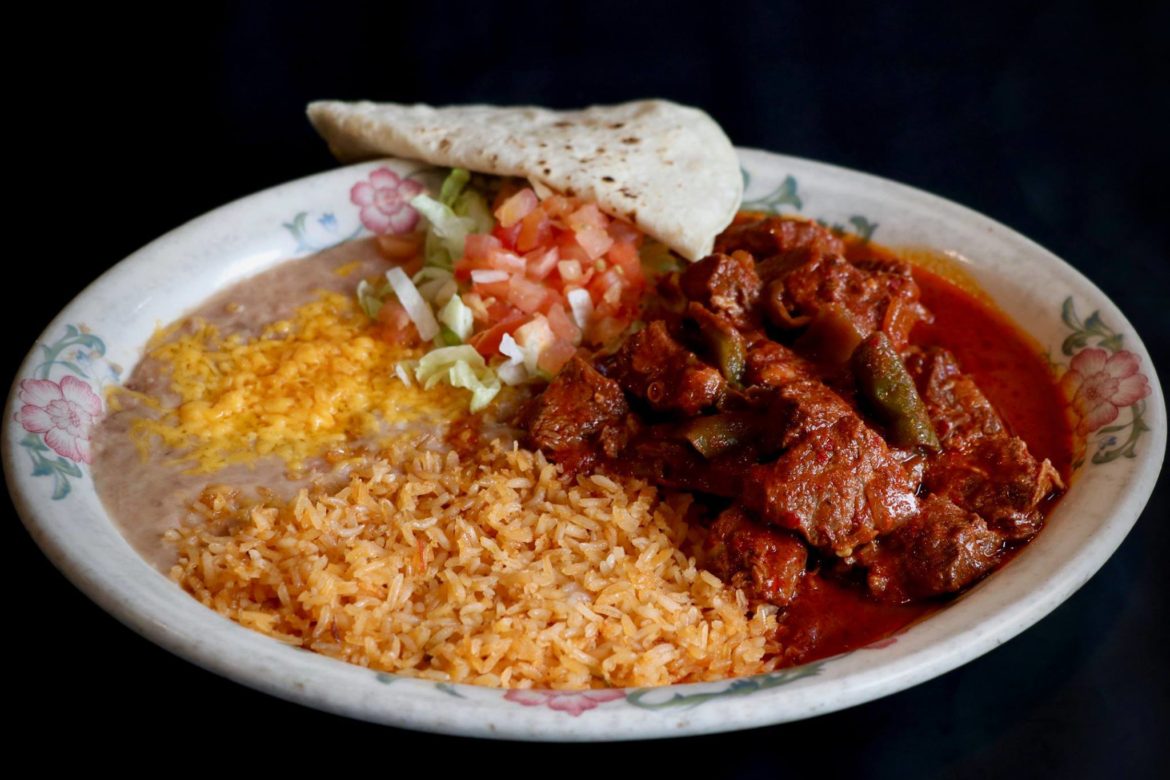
(511, 350)
(533, 337)
(488, 276)
(581, 304)
(512, 373)
(419, 311)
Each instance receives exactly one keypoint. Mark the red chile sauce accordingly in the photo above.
(828, 617)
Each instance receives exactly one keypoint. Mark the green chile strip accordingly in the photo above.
(730, 351)
(717, 433)
(885, 383)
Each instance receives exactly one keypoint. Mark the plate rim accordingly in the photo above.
(905, 672)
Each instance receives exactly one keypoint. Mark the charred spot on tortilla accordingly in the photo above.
(687, 182)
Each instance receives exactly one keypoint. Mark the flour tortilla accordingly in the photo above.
(667, 168)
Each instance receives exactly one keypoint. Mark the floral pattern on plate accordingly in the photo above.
(1100, 380)
(58, 415)
(382, 200)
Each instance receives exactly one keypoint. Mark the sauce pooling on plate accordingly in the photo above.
(864, 438)
(844, 439)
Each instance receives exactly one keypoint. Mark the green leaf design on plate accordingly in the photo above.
(1107, 453)
(644, 698)
(299, 231)
(785, 194)
(1091, 331)
(450, 690)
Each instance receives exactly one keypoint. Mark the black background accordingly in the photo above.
(1048, 116)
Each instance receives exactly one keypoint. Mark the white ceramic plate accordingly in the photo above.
(98, 338)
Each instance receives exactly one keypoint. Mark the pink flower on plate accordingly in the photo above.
(572, 702)
(1099, 384)
(64, 413)
(385, 202)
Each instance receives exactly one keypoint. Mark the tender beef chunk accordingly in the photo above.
(982, 468)
(579, 413)
(801, 407)
(942, 550)
(725, 284)
(873, 300)
(772, 236)
(840, 487)
(998, 478)
(766, 563)
(652, 366)
(960, 412)
(772, 364)
(884, 265)
(658, 454)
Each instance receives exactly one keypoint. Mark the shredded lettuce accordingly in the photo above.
(657, 257)
(417, 309)
(459, 366)
(435, 285)
(457, 318)
(370, 297)
(453, 185)
(459, 211)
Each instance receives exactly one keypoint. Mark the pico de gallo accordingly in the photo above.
(508, 284)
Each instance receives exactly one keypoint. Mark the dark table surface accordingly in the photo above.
(1050, 117)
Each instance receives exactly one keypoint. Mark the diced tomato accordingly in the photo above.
(498, 311)
(594, 240)
(562, 324)
(603, 284)
(479, 246)
(400, 247)
(526, 295)
(517, 207)
(623, 232)
(538, 250)
(625, 257)
(541, 262)
(587, 216)
(503, 260)
(395, 324)
(554, 356)
(507, 236)
(557, 206)
(493, 290)
(571, 250)
(507, 188)
(487, 342)
(535, 231)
